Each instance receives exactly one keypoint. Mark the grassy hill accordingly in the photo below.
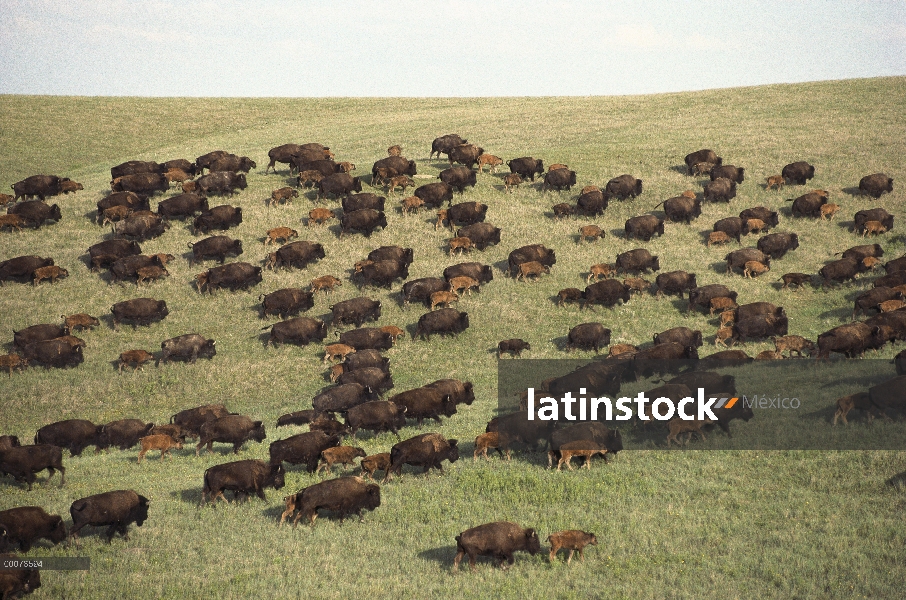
(670, 524)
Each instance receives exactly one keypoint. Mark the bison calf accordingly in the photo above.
(573, 540)
(491, 439)
(135, 358)
(160, 442)
(344, 455)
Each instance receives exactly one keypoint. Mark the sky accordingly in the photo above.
(306, 48)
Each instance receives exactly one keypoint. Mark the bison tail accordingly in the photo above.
(78, 506)
(656, 205)
(266, 327)
(190, 244)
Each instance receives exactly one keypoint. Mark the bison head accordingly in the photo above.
(532, 543)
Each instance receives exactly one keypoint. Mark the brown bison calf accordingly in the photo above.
(755, 225)
(636, 284)
(443, 298)
(346, 166)
(701, 168)
(337, 351)
(442, 216)
(573, 540)
(590, 231)
(150, 273)
(532, 268)
(326, 283)
(796, 279)
(135, 358)
(52, 272)
(11, 221)
(280, 233)
(753, 269)
(463, 283)
(511, 181)
(393, 331)
(793, 343)
(891, 305)
(459, 243)
(678, 426)
(718, 237)
(309, 178)
(860, 401)
(769, 355)
(395, 150)
(284, 194)
(158, 442)
(375, 462)
(79, 320)
(489, 440)
(569, 294)
(489, 159)
(586, 448)
(870, 228)
(12, 361)
(319, 216)
(724, 333)
(722, 303)
(600, 270)
(412, 204)
(828, 211)
(400, 181)
(344, 455)
(775, 181)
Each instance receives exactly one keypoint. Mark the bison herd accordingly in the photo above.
(363, 377)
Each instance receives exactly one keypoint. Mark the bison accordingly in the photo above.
(117, 509)
(499, 540)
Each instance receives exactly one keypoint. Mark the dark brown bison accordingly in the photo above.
(117, 509)
(875, 185)
(644, 227)
(286, 302)
(637, 261)
(230, 429)
(702, 156)
(608, 292)
(220, 217)
(682, 208)
(721, 189)
(22, 267)
(526, 167)
(303, 448)
(343, 495)
(243, 477)
(776, 245)
(675, 282)
(435, 194)
(22, 462)
(559, 179)
(427, 450)
(872, 214)
(125, 433)
(217, 246)
(458, 178)
(622, 187)
(798, 173)
(365, 221)
(851, 339)
(533, 252)
(465, 154)
(343, 397)
(499, 540)
(591, 203)
(738, 258)
(425, 403)
(588, 336)
(188, 347)
(731, 172)
(367, 338)
(298, 254)
(443, 321)
(702, 296)
(808, 205)
(445, 143)
(376, 416)
(298, 330)
(35, 212)
(38, 185)
(141, 311)
(477, 271)
(482, 235)
(26, 524)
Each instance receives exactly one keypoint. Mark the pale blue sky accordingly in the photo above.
(422, 48)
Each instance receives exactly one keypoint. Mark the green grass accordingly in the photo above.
(692, 524)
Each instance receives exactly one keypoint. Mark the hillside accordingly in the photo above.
(703, 524)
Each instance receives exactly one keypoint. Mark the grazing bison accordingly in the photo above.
(873, 214)
(427, 450)
(675, 282)
(702, 156)
(217, 246)
(526, 167)
(22, 267)
(298, 330)
(220, 217)
(731, 172)
(682, 208)
(798, 173)
(445, 143)
(183, 205)
(343, 495)
(721, 189)
(243, 477)
(286, 302)
(559, 179)
(588, 336)
(499, 540)
(22, 462)
(591, 203)
(608, 292)
(376, 416)
(230, 429)
(298, 254)
(141, 311)
(644, 227)
(622, 187)
(26, 524)
(808, 205)
(125, 433)
(188, 347)
(303, 448)
(117, 509)
(35, 212)
(875, 185)
(637, 261)
(435, 194)
(444, 321)
(776, 245)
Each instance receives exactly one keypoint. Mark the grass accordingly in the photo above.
(736, 524)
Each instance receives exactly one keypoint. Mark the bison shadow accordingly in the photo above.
(843, 314)
(189, 496)
(852, 191)
(443, 555)
(849, 226)
(720, 267)
(681, 169)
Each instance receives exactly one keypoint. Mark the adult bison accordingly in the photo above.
(435, 194)
(243, 477)
(117, 510)
(798, 173)
(559, 179)
(338, 184)
(445, 143)
(622, 187)
(286, 302)
(588, 336)
(26, 524)
(141, 311)
(875, 185)
(73, 434)
(533, 252)
(644, 227)
(343, 495)
(702, 156)
(526, 167)
(443, 321)
(188, 347)
(298, 330)
(459, 178)
(427, 450)
(499, 540)
(39, 186)
(35, 212)
(230, 429)
(233, 276)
